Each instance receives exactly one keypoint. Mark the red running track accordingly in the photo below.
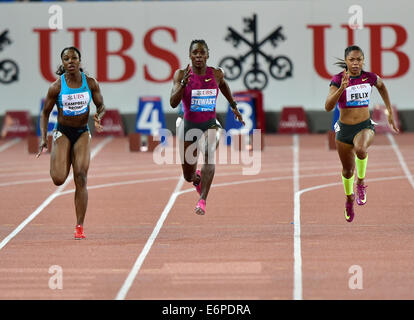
(278, 234)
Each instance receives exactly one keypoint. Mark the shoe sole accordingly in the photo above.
(360, 203)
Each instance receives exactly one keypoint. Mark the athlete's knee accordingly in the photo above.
(348, 172)
(361, 152)
(80, 178)
(58, 179)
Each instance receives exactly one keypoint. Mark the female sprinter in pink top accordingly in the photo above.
(197, 87)
(355, 131)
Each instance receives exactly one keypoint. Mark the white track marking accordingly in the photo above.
(49, 199)
(13, 183)
(333, 184)
(140, 260)
(9, 144)
(297, 207)
(133, 273)
(122, 183)
(297, 251)
(124, 290)
(222, 174)
(401, 159)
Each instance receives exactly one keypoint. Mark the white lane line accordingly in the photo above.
(49, 199)
(317, 187)
(9, 144)
(223, 184)
(297, 251)
(333, 184)
(122, 183)
(131, 277)
(401, 159)
(222, 174)
(140, 260)
(14, 183)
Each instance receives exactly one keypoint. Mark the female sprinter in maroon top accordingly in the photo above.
(355, 130)
(198, 87)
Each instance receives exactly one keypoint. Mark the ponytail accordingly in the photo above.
(60, 70)
(341, 63)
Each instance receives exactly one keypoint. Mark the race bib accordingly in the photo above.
(358, 95)
(75, 104)
(203, 100)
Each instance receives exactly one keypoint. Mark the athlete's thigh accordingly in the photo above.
(209, 145)
(364, 138)
(60, 159)
(189, 156)
(81, 154)
(346, 154)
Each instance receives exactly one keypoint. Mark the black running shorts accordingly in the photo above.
(72, 133)
(188, 134)
(347, 132)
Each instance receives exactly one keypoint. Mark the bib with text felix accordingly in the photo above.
(358, 95)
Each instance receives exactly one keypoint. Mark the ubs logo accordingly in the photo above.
(280, 67)
(9, 71)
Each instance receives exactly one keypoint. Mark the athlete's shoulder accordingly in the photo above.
(372, 77)
(89, 78)
(216, 69)
(371, 74)
(91, 81)
(338, 75)
(336, 79)
(179, 73)
(368, 73)
(218, 72)
(55, 86)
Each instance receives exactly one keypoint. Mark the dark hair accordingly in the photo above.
(198, 41)
(341, 63)
(61, 70)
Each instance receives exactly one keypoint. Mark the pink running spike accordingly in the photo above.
(361, 197)
(202, 206)
(349, 211)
